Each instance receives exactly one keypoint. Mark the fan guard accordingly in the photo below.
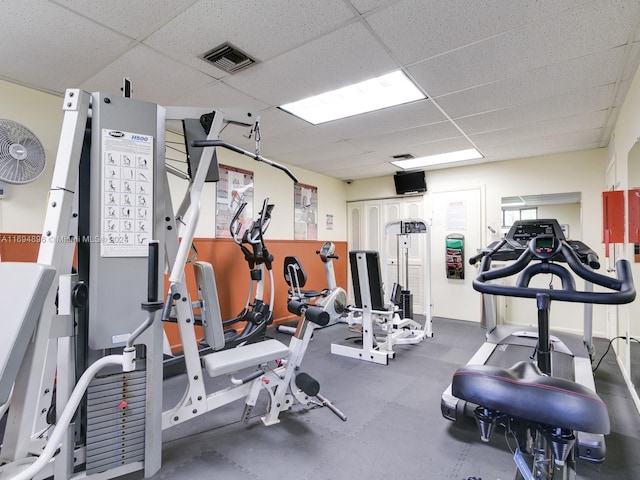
(22, 157)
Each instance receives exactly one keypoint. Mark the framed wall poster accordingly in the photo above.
(306, 212)
(234, 188)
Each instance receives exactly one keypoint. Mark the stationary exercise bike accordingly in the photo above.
(554, 415)
(332, 299)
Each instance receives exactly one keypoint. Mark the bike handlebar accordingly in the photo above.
(620, 290)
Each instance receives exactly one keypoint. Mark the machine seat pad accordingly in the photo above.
(523, 391)
(245, 356)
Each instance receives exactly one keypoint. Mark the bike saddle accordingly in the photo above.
(523, 391)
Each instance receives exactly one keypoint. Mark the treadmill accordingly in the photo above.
(537, 243)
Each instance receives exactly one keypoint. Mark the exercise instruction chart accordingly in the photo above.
(127, 194)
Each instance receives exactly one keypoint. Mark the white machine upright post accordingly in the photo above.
(194, 400)
(403, 229)
(34, 384)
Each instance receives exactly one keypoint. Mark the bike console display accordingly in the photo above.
(545, 247)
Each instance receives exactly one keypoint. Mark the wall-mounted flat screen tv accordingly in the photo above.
(410, 182)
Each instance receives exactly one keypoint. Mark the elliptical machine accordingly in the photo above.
(332, 299)
(256, 314)
(554, 415)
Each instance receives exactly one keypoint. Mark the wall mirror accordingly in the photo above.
(564, 207)
(630, 351)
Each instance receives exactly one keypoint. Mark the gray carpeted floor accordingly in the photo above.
(394, 428)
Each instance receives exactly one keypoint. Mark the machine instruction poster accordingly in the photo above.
(127, 194)
(306, 212)
(235, 187)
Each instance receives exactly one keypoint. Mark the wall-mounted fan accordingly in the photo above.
(22, 157)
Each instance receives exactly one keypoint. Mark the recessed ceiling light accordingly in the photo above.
(381, 92)
(449, 157)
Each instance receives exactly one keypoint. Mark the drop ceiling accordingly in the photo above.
(512, 78)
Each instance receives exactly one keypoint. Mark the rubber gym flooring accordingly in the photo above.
(394, 429)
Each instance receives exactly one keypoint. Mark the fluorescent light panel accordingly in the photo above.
(442, 158)
(381, 92)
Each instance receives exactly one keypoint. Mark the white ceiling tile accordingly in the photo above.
(131, 19)
(391, 119)
(355, 173)
(217, 94)
(401, 141)
(147, 71)
(347, 56)
(358, 160)
(260, 29)
(569, 77)
(573, 34)
(426, 31)
(317, 155)
(440, 146)
(364, 6)
(298, 140)
(580, 102)
(577, 74)
(565, 142)
(588, 121)
(47, 46)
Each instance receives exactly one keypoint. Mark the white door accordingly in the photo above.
(456, 212)
(372, 216)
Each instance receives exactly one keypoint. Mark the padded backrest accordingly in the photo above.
(367, 278)
(294, 274)
(23, 289)
(210, 310)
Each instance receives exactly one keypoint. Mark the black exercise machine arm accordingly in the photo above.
(233, 148)
(620, 290)
(234, 226)
(473, 260)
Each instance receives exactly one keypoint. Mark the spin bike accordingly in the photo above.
(332, 299)
(554, 416)
(256, 314)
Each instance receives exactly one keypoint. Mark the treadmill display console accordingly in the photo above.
(524, 230)
(543, 235)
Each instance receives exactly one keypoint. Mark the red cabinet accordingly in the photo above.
(613, 217)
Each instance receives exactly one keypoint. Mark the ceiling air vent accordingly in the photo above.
(228, 58)
(403, 156)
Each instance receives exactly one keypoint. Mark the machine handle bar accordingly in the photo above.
(234, 226)
(473, 260)
(233, 148)
(620, 290)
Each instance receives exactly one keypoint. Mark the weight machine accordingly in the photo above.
(80, 332)
(392, 318)
(404, 230)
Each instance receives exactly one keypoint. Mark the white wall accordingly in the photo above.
(23, 209)
(625, 319)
